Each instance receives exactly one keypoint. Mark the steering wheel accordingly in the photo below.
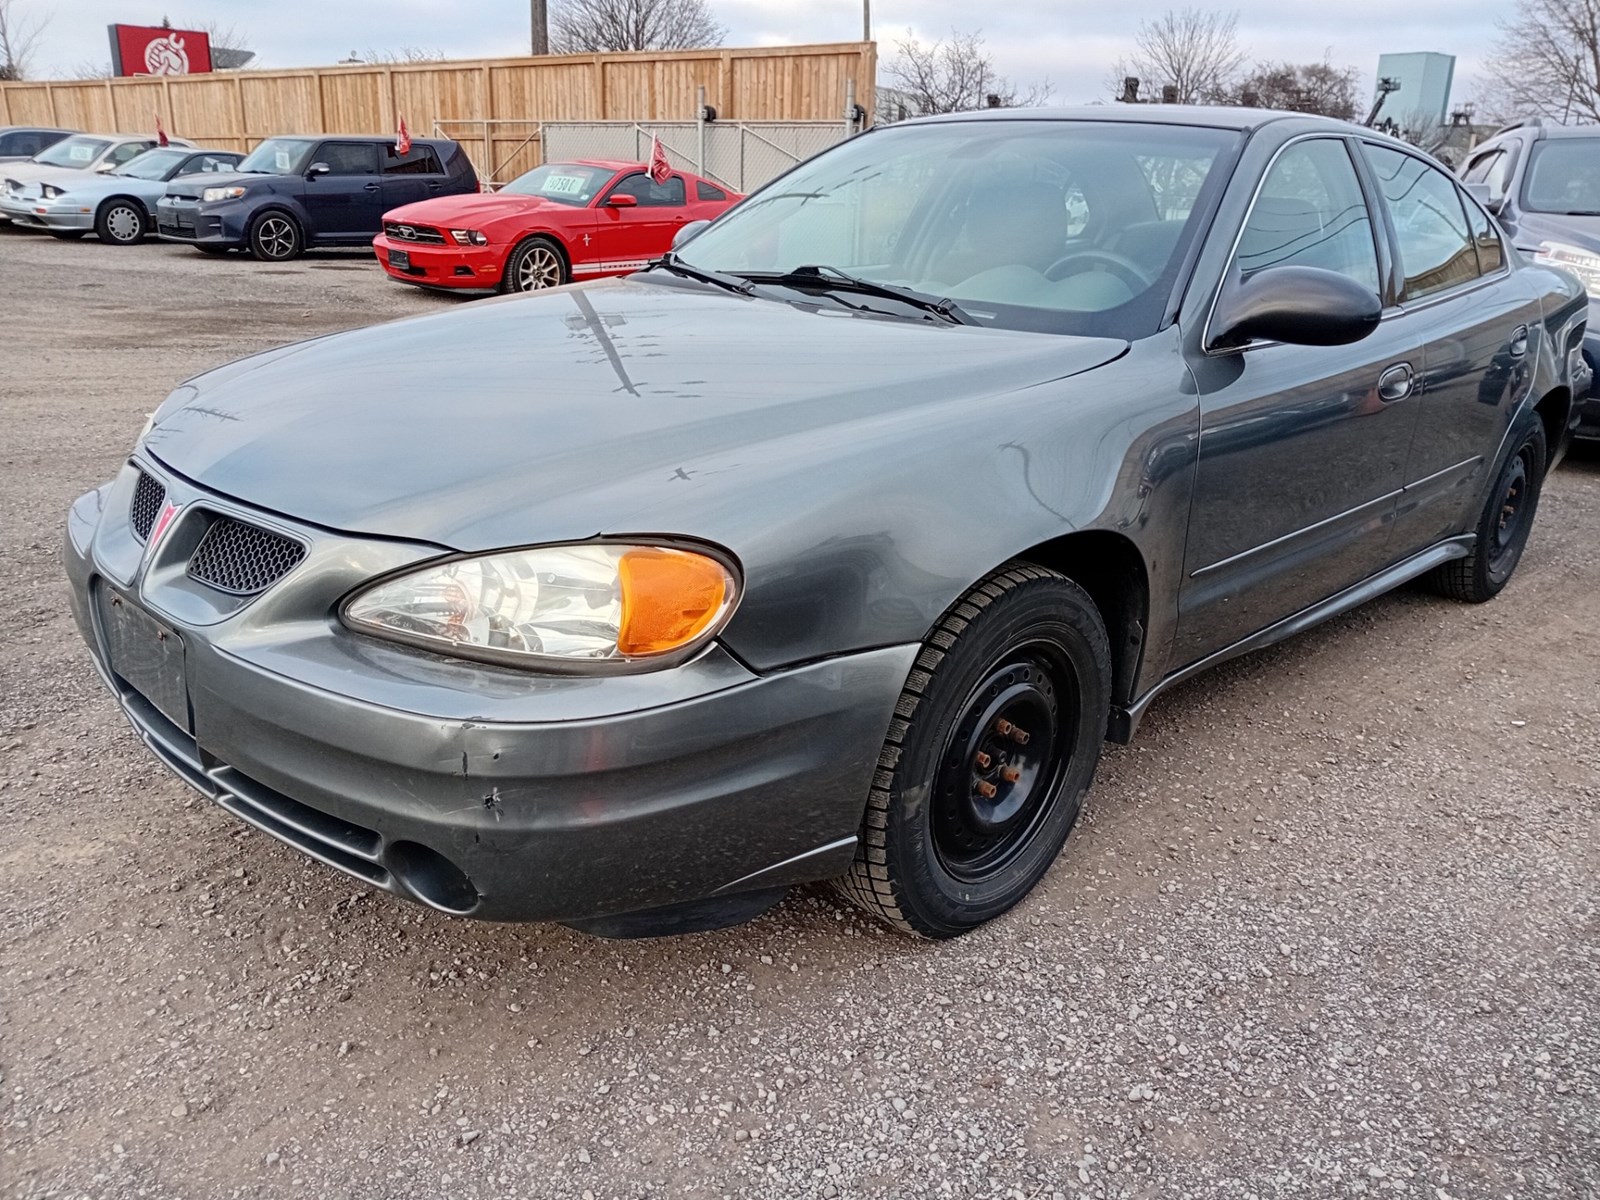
(1120, 265)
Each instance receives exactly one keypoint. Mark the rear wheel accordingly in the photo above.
(121, 223)
(994, 742)
(1503, 526)
(533, 266)
(275, 237)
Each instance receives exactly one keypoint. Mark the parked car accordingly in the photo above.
(559, 222)
(71, 160)
(119, 206)
(836, 543)
(18, 142)
(1543, 182)
(293, 192)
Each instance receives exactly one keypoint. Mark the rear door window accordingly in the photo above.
(1437, 250)
(420, 160)
(708, 191)
(649, 193)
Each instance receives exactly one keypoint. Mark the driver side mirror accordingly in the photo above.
(1480, 192)
(106, 168)
(621, 200)
(317, 168)
(1300, 306)
(687, 232)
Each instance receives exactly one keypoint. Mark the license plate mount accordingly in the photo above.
(401, 259)
(147, 656)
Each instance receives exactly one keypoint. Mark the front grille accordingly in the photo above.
(243, 559)
(148, 494)
(413, 233)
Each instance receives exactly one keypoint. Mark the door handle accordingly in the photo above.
(371, 187)
(1396, 383)
(1519, 341)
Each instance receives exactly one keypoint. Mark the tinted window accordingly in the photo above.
(24, 144)
(1491, 254)
(707, 191)
(349, 158)
(203, 164)
(1311, 213)
(1436, 250)
(649, 193)
(421, 160)
(1564, 177)
(1493, 169)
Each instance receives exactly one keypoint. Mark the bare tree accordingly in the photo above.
(403, 54)
(589, 26)
(955, 74)
(1548, 61)
(1320, 88)
(1194, 52)
(19, 38)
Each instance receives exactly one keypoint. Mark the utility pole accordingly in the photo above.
(541, 27)
(866, 20)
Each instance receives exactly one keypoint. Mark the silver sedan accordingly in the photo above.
(119, 206)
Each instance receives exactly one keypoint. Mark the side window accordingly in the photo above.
(1491, 254)
(708, 191)
(348, 158)
(1311, 213)
(127, 150)
(651, 194)
(421, 160)
(1436, 248)
(205, 164)
(1478, 169)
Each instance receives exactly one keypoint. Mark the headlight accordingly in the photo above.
(600, 606)
(212, 195)
(469, 237)
(1583, 263)
(50, 191)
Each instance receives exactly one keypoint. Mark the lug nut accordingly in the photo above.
(983, 760)
(1019, 736)
(1010, 774)
(1003, 727)
(986, 789)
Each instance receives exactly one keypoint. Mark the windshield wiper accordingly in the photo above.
(828, 278)
(671, 262)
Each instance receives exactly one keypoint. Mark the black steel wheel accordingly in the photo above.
(995, 741)
(276, 237)
(1504, 524)
(535, 265)
(121, 223)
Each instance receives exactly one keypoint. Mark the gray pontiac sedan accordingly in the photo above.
(836, 544)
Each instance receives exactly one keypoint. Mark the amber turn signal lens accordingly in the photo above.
(669, 598)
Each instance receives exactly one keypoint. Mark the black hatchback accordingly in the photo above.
(295, 192)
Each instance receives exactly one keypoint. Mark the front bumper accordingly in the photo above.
(481, 791)
(441, 266)
(47, 214)
(1588, 405)
(195, 224)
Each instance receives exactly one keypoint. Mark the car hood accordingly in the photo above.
(27, 172)
(580, 411)
(474, 206)
(1534, 227)
(92, 186)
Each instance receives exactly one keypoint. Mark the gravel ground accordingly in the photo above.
(1329, 927)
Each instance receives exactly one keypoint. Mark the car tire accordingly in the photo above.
(536, 264)
(994, 742)
(121, 223)
(275, 236)
(1503, 526)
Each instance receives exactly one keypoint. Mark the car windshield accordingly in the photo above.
(152, 164)
(565, 183)
(72, 152)
(1564, 176)
(278, 156)
(1046, 225)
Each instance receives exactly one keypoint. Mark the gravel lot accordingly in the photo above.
(1330, 927)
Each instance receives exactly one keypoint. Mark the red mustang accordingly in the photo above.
(559, 222)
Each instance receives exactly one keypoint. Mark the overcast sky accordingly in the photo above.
(1071, 44)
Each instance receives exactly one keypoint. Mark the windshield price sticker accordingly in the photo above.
(82, 153)
(565, 185)
(282, 160)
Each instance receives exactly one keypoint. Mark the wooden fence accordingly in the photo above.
(235, 110)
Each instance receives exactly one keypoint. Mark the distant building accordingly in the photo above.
(1422, 100)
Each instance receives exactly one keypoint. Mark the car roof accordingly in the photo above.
(35, 129)
(1202, 115)
(386, 138)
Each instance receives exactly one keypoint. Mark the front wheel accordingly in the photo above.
(994, 743)
(121, 223)
(533, 266)
(1503, 526)
(275, 237)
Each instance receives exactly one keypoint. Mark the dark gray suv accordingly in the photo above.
(1543, 182)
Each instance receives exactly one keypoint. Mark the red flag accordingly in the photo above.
(402, 140)
(161, 134)
(660, 168)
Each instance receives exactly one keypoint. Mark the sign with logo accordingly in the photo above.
(157, 50)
